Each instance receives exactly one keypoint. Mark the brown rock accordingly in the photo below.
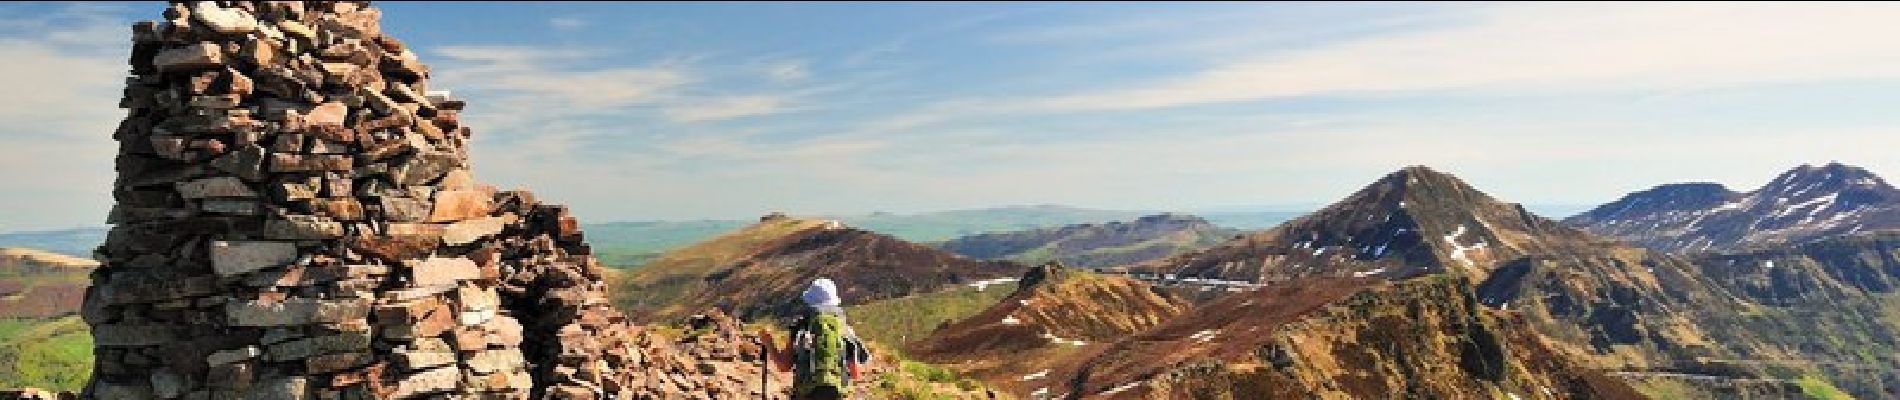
(196, 56)
(222, 20)
(342, 209)
(327, 114)
(394, 248)
(458, 205)
(430, 381)
(466, 232)
(441, 271)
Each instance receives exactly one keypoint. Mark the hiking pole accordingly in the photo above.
(764, 339)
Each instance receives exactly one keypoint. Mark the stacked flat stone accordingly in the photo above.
(720, 361)
(295, 218)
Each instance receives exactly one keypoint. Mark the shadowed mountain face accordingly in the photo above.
(1096, 245)
(760, 270)
(1801, 205)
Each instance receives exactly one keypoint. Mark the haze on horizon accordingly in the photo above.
(689, 111)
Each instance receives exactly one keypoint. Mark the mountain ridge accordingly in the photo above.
(1805, 203)
(1096, 244)
(758, 271)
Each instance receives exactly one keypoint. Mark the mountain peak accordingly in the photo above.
(1420, 181)
(1662, 197)
(1803, 203)
(1410, 222)
(1832, 177)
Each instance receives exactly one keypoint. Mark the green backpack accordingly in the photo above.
(821, 349)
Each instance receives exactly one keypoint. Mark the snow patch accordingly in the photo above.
(1204, 335)
(1458, 250)
(980, 285)
(1059, 340)
(1011, 320)
(1123, 388)
(1038, 375)
(1375, 271)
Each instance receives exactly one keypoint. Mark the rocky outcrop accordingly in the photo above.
(1803, 204)
(1336, 338)
(715, 358)
(1096, 245)
(296, 218)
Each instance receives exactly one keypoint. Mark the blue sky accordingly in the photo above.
(729, 110)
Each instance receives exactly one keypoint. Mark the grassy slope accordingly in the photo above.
(50, 354)
(1819, 389)
(653, 286)
(892, 322)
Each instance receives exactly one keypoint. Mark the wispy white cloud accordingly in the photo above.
(725, 108)
(58, 114)
(1540, 48)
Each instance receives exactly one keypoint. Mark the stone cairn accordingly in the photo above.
(295, 218)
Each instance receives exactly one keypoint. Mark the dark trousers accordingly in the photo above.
(821, 393)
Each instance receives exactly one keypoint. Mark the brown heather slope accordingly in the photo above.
(41, 284)
(1057, 313)
(655, 287)
(759, 271)
(1336, 338)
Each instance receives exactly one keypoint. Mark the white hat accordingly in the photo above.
(822, 293)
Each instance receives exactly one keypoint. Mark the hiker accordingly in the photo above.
(825, 355)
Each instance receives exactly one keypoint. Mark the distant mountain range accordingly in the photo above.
(77, 242)
(633, 243)
(1096, 244)
(1801, 205)
(1756, 324)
